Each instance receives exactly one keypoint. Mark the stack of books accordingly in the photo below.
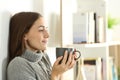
(90, 69)
(88, 27)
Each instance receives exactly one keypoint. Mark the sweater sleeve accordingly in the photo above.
(18, 69)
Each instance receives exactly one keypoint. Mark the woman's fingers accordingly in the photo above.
(65, 65)
(58, 60)
(69, 59)
(65, 57)
(72, 62)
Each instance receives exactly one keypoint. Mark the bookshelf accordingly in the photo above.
(95, 51)
(98, 7)
(63, 31)
(100, 48)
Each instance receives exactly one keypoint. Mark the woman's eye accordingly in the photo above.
(41, 29)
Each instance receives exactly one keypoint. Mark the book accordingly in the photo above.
(100, 29)
(112, 69)
(91, 27)
(83, 27)
(79, 71)
(80, 27)
(92, 68)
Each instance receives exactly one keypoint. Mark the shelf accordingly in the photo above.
(103, 50)
(95, 44)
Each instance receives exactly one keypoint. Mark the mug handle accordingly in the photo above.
(79, 54)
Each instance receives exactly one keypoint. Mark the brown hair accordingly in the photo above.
(20, 24)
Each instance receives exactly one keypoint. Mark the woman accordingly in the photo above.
(27, 45)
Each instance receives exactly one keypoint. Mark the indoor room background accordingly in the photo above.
(51, 10)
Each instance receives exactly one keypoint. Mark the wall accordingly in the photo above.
(4, 20)
(113, 7)
(52, 17)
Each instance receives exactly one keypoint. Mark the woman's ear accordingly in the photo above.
(25, 37)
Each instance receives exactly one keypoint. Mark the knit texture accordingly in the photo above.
(29, 66)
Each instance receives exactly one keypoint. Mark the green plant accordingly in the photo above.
(118, 71)
(112, 22)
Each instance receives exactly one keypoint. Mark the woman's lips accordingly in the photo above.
(45, 41)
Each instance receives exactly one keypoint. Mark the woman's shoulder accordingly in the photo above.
(17, 62)
(19, 68)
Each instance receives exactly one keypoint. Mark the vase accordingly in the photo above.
(109, 35)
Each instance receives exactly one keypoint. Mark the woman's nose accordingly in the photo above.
(46, 34)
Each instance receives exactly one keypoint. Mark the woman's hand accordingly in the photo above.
(65, 65)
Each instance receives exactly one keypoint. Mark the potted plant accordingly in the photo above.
(112, 22)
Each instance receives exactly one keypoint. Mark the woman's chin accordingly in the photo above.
(44, 48)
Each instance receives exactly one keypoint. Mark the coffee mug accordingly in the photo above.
(61, 51)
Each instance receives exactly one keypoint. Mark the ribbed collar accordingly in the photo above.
(32, 56)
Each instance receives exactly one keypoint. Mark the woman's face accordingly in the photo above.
(37, 37)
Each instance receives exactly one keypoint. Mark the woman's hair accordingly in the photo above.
(20, 24)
